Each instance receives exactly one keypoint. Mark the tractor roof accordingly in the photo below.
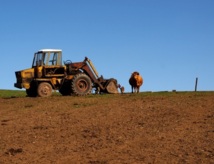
(50, 50)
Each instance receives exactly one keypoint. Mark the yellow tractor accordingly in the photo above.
(48, 74)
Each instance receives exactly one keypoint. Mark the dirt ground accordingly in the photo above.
(107, 129)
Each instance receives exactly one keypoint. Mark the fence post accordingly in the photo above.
(196, 84)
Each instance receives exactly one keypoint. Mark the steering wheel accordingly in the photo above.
(67, 62)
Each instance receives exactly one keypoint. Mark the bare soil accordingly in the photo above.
(107, 129)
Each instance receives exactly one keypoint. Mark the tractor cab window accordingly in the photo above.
(38, 59)
(52, 59)
(47, 59)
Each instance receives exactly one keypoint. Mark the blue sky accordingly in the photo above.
(170, 42)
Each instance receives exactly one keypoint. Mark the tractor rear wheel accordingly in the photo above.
(81, 85)
(44, 89)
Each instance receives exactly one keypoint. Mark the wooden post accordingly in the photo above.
(196, 84)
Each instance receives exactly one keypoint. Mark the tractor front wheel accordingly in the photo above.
(44, 89)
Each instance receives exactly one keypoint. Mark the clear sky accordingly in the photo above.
(170, 42)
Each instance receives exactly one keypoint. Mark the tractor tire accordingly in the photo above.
(81, 85)
(44, 89)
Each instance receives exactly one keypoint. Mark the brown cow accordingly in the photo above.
(135, 81)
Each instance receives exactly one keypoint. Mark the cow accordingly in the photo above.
(135, 81)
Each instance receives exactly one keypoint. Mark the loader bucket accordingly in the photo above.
(112, 87)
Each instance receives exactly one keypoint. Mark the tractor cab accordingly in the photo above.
(47, 57)
(48, 63)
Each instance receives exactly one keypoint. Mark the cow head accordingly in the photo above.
(135, 74)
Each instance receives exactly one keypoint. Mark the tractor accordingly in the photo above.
(70, 78)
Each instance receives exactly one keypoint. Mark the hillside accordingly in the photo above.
(164, 127)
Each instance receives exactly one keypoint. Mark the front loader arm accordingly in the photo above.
(88, 67)
(105, 85)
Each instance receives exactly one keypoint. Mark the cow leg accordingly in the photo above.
(135, 90)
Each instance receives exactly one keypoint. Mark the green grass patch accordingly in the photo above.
(12, 93)
(22, 93)
(18, 93)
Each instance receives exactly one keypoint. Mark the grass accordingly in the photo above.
(12, 93)
(22, 93)
(17, 93)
